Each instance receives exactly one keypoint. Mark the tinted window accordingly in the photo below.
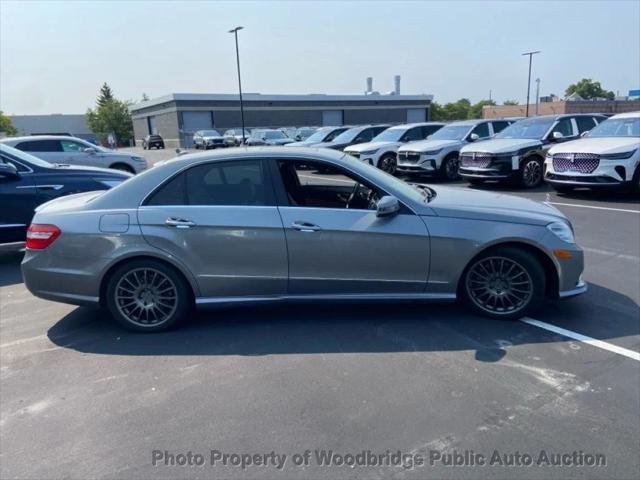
(429, 129)
(585, 124)
(228, 183)
(499, 126)
(40, 146)
(481, 130)
(564, 127)
(71, 146)
(365, 135)
(413, 134)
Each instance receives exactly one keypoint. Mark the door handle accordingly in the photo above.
(305, 227)
(179, 222)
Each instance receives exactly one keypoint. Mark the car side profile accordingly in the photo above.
(517, 153)
(381, 152)
(66, 150)
(27, 181)
(606, 157)
(439, 154)
(263, 225)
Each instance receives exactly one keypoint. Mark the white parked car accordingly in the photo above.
(607, 157)
(439, 153)
(62, 149)
(381, 151)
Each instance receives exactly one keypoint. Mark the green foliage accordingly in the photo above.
(110, 115)
(589, 89)
(6, 126)
(460, 110)
(511, 102)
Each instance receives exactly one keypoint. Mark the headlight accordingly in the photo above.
(369, 152)
(562, 230)
(432, 152)
(618, 156)
(110, 183)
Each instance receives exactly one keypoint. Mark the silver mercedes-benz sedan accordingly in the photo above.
(267, 224)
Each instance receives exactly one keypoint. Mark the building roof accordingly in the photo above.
(252, 97)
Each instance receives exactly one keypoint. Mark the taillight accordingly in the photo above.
(40, 236)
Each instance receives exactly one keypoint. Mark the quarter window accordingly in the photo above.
(40, 146)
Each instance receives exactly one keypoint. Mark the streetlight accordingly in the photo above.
(235, 33)
(531, 54)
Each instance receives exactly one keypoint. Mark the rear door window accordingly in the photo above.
(564, 127)
(482, 130)
(40, 146)
(499, 126)
(585, 124)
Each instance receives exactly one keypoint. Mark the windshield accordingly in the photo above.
(451, 132)
(20, 155)
(533, 128)
(617, 127)
(319, 135)
(348, 135)
(210, 133)
(390, 135)
(274, 135)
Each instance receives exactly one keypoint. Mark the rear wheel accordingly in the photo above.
(387, 163)
(147, 296)
(123, 167)
(531, 172)
(505, 283)
(449, 168)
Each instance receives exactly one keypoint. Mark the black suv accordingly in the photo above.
(151, 141)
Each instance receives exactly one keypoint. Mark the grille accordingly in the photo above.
(575, 162)
(409, 157)
(476, 159)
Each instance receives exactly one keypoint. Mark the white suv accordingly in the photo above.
(381, 151)
(608, 157)
(439, 153)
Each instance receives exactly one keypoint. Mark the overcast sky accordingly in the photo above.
(55, 55)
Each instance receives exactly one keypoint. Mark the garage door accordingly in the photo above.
(415, 115)
(192, 122)
(332, 117)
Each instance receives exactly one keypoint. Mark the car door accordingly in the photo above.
(19, 198)
(46, 149)
(338, 250)
(75, 154)
(221, 221)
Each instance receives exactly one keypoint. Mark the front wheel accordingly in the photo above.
(449, 168)
(531, 172)
(387, 163)
(147, 296)
(505, 283)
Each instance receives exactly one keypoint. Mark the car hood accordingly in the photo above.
(480, 205)
(212, 137)
(427, 145)
(363, 147)
(92, 171)
(501, 145)
(598, 145)
(279, 141)
(301, 144)
(335, 145)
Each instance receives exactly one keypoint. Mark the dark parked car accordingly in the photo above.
(152, 141)
(321, 135)
(353, 136)
(27, 181)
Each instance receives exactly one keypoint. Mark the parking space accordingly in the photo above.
(409, 376)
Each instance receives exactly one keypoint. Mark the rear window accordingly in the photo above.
(40, 146)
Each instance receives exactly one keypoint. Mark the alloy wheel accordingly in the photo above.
(499, 285)
(388, 164)
(146, 297)
(532, 173)
(451, 168)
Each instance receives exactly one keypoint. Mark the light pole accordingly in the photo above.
(531, 54)
(235, 33)
(537, 95)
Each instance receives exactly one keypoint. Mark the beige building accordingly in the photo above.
(555, 108)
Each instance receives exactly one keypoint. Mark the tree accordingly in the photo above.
(451, 111)
(511, 102)
(110, 116)
(475, 111)
(106, 95)
(589, 89)
(6, 126)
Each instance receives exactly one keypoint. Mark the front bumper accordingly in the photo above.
(417, 163)
(580, 288)
(607, 174)
(497, 168)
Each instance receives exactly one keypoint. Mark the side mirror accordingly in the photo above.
(90, 150)
(8, 170)
(387, 206)
(557, 135)
(473, 137)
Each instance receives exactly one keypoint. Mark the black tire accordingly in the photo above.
(387, 163)
(123, 167)
(526, 274)
(449, 168)
(562, 188)
(475, 181)
(531, 172)
(174, 283)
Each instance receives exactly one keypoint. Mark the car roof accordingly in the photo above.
(627, 115)
(25, 138)
(412, 125)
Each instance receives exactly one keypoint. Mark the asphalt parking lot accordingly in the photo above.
(82, 398)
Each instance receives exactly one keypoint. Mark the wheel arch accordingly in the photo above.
(118, 163)
(179, 269)
(552, 278)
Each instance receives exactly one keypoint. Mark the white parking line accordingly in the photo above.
(594, 207)
(583, 338)
(608, 253)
